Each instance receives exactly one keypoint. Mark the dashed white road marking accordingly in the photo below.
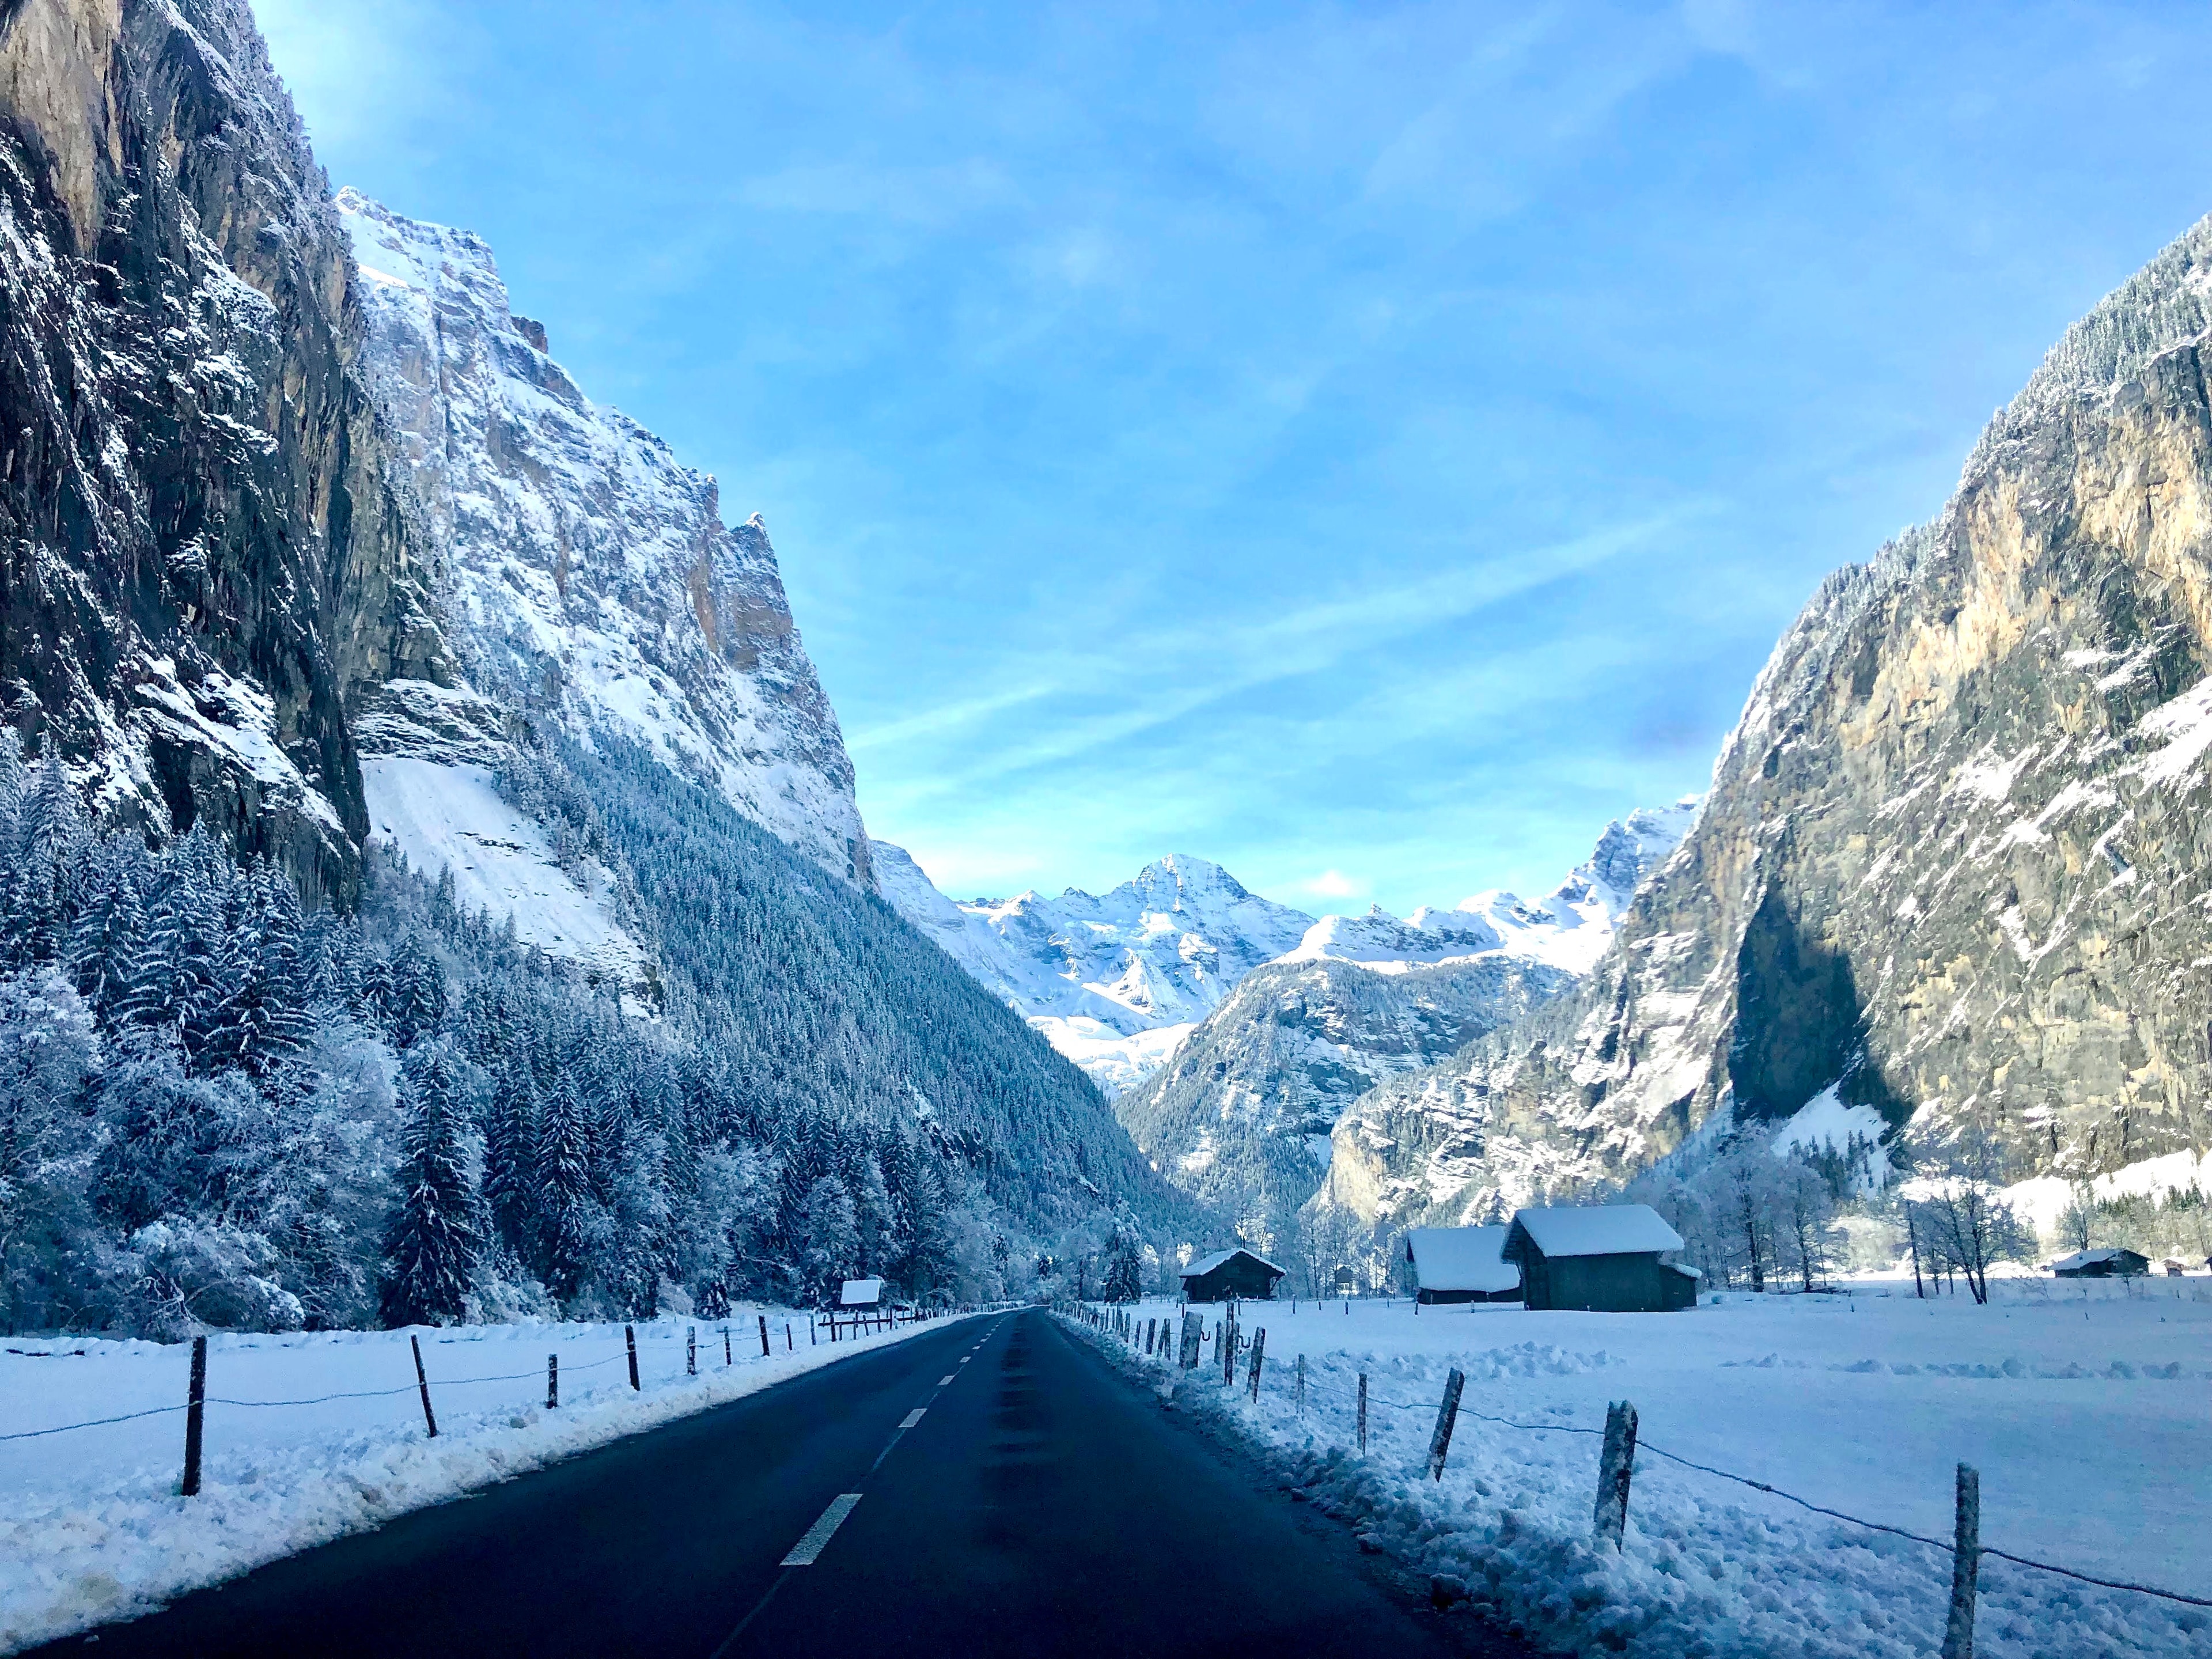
(944, 1382)
(912, 1417)
(803, 1552)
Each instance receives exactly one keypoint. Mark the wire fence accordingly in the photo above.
(733, 1331)
(1309, 1382)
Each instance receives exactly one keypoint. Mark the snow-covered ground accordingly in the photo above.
(2082, 1406)
(91, 1527)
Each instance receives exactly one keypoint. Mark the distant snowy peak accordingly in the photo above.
(1569, 929)
(587, 574)
(1112, 979)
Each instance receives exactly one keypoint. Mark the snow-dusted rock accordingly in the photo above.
(587, 574)
(1110, 979)
(1954, 866)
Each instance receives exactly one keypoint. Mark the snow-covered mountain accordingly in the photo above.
(1953, 868)
(1569, 929)
(1243, 1112)
(586, 575)
(1114, 980)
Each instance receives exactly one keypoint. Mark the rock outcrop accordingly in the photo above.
(202, 563)
(587, 574)
(1954, 862)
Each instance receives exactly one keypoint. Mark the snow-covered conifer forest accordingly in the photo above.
(221, 1108)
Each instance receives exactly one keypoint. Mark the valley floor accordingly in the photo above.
(2082, 1406)
(314, 1436)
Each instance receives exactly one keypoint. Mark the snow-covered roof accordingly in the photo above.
(861, 1294)
(2090, 1258)
(1461, 1258)
(1596, 1229)
(1207, 1264)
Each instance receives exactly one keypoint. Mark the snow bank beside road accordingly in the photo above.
(91, 1527)
(2083, 1410)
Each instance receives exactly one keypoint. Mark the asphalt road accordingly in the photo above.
(1033, 1503)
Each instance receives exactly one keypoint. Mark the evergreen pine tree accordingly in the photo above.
(430, 1252)
(566, 1223)
(510, 1147)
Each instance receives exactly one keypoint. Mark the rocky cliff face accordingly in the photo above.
(201, 565)
(1954, 860)
(1241, 1114)
(587, 576)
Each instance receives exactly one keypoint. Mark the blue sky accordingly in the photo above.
(1371, 447)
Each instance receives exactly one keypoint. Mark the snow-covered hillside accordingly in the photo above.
(1114, 980)
(1568, 928)
(450, 817)
(587, 576)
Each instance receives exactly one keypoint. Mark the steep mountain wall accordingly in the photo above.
(202, 565)
(1955, 858)
(1241, 1114)
(587, 574)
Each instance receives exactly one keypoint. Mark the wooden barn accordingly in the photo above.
(1461, 1264)
(1227, 1273)
(2101, 1264)
(1601, 1258)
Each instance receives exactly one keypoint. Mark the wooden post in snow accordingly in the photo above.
(195, 1415)
(1446, 1415)
(1258, 1353)
(1616, 1464)
(423, 1382)
(629, 1341)
(690, 1351)
(1302, 1385)
(552, 1381)
(1363, 1414)
(763, 1330)
(726, 1360)
(1965, 1566)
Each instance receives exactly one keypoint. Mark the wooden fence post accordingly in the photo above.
(423, 1382)
(690, 1351)
(1965, 1566)
(1259, 1353)
(552, 1381)
(1363, 1414)
(1447, 1414)
(726, 1360)
(195, 1413)
(629, 1341)
(1615, 1465)
(1302, 1385)
(763, 1329)
(788, 1345)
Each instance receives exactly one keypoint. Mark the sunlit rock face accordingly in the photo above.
(1955, 859)
(586, 576)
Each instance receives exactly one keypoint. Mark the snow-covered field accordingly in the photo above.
(2084, 1408)
(91, 1526)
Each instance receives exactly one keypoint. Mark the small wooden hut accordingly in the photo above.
(1461, 1264)
(2119, 1263)
(1225, 1273)
(1601, 1258)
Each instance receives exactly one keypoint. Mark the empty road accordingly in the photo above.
(987, 1487)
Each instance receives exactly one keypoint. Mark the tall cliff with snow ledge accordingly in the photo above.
(1954, 864)
(586, 576)
(204, 560)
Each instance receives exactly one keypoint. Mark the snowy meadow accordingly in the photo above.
(311, 1436)
(2081, 1406)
